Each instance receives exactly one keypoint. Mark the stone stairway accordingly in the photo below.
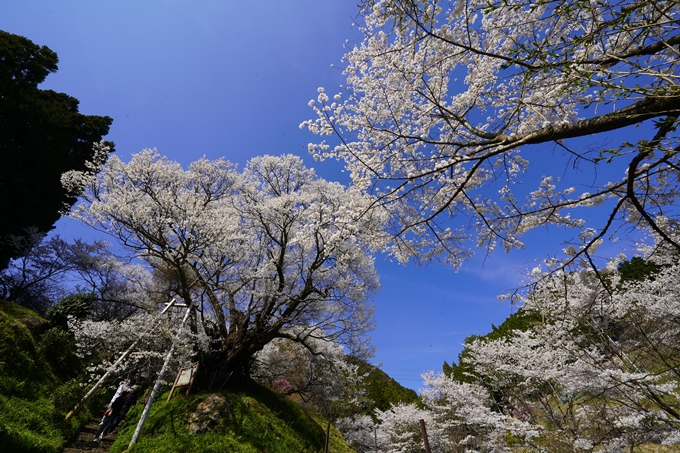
(84, 440)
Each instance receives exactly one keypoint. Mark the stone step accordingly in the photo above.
(83, 442)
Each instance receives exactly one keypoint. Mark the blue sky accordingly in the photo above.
(232, 79)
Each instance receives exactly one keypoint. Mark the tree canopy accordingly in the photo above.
(42, 135)
(272, 252)
(587, 364)
(448, 102)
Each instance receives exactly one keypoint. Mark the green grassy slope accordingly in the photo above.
(39, 384)
(36, 385)
(258, 420)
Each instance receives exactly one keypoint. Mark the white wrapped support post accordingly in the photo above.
(100, 381)
(147, 407)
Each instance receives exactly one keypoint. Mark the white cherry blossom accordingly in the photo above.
(446, 102)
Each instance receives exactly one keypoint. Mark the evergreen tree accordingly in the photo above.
(42, 135)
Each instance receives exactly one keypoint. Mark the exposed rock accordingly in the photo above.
(208, 414)
(35, 325)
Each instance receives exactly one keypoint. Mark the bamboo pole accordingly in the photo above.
(100, 381)
(149, 402)
(328, 435)
(113, 367)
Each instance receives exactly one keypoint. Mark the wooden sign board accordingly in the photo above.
(185, 377)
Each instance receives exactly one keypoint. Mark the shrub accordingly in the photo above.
(58, 348)
(66, 396)
(76, 305)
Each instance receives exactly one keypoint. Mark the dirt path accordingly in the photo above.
(84, 440)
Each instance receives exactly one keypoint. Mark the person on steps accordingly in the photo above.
(110, 417)
(130, 401)
(123, 387)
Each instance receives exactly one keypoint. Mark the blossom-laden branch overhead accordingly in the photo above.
(446, 102)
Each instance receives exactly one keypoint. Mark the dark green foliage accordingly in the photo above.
(381, 390)
(520, 320)
(59, 350)
(42, 135)
(76, 305)
(22, 63)
(637, 269)
(460, 371)
(67, 395)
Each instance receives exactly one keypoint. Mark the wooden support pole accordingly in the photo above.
(425, 439)
(193, 376)
(328, 435)
(375, 438)
(174, 384)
